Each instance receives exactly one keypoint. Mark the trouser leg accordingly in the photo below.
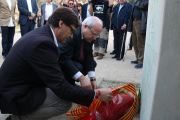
(116, 39)
(52, 106)
(96, 45)
(11, 38)
(134, 40)
(121, 45)
(103, 40)
(5, 31)
(140, 42)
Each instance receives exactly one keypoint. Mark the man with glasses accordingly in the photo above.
(32, 85)
(76, 58)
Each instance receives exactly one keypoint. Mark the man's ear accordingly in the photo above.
(61, 23)
(85, 26)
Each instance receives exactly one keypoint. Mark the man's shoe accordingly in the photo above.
(139, 66)
(113, 52)
(100, 56)
(8, 118)
(129, 48)
(95, 54)
(119, 59)
(114, 57)
(134, 62)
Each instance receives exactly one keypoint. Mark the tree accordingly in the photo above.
(131, 1)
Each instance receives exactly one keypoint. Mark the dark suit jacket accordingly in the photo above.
(70, 51)
(122, 18)
(24, 11)
(29, 68)
(84, 11)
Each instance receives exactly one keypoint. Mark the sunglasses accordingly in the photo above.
(71, 3)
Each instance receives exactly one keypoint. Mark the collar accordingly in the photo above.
(55, 40)
(125, 4)
(81, 34)
(49, 4)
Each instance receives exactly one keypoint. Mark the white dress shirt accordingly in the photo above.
(11, 24)
(78, 74)
(48, 10)
(120, 8)
(29, 5)
(55, 40)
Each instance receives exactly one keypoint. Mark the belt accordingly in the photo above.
(136, 19)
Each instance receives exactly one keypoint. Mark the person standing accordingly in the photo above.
(79, 7)
(28, 10)
(121, 14)
(137, 26)
(46, 10)
(7, 23)
(99, 9)
(85, 11)
(38, 19)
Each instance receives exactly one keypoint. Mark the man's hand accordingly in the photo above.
(123, 27)
(105, 96)
(30, 18)
(33, 15)
(94, 85)
(85, 83)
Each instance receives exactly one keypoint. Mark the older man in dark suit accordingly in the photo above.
(32, 86)
(121, 14)
(76, 58)
(27, 18)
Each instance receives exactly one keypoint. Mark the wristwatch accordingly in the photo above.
(92, 80)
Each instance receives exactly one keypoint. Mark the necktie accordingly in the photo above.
(81, 57)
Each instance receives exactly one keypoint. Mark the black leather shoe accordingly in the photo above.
(118, 59)
(113, 52)
(114, 57)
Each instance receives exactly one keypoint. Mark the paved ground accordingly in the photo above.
(107, 68)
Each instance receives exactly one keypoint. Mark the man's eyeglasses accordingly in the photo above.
(93, 33)
(71, 3)
(73, 30)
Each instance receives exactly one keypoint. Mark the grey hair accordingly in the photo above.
(91, 21)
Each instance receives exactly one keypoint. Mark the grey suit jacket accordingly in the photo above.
(43, 11)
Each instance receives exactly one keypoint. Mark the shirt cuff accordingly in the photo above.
(91, 74)
(77, 75)
(94, 94)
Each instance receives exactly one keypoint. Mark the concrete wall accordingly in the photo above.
(161, 72)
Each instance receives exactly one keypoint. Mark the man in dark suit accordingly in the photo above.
(27, 18)
(121, 14)
(46, 10)
(76, 58)
(32, 86)
(85, 11)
